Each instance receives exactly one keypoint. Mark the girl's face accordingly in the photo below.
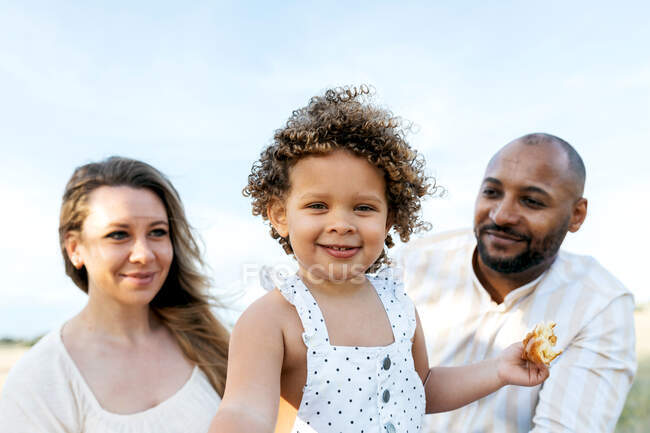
(336, 215)
(124, 244)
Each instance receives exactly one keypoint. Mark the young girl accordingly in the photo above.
(340, 344)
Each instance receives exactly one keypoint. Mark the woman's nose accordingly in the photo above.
(141, 252)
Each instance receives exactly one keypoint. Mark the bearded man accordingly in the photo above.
(478, 291)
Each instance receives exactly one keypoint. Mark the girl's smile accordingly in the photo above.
(340, 252)
(335, 215)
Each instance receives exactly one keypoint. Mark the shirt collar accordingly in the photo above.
(511, 298)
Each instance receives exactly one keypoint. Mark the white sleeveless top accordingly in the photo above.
(358, 389)
(45, 392)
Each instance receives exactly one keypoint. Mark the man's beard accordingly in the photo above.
(533, 255)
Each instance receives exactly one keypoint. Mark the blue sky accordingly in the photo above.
(197, 89)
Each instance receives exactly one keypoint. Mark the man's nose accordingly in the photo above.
(141, 252)
(504, 212)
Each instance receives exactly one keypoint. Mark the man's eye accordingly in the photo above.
(159, 233)
(490, 192)
(317, 206)
(118, 235)
(531, 202)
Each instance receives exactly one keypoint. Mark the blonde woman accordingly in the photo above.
(145, 354)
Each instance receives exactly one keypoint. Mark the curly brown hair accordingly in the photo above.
(345, 119)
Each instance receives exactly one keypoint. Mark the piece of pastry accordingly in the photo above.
(538, 344)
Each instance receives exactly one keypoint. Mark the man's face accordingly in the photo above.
(524, 207)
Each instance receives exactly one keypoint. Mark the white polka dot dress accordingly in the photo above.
(358, 389)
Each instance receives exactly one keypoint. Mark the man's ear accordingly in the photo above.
(71, 241)
(277, 213)
(578, 214)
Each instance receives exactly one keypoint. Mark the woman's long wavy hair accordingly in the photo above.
(182, 303)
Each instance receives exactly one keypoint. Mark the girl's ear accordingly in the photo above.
(389, 223)
(72, 248)
(277, 213)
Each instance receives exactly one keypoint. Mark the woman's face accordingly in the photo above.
(124, 244)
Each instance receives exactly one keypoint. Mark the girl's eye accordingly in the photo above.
(118, 235)
(317, 206)
(365, 208)
(159, 233)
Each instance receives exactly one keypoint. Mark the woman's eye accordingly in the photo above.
(159, 233)
(118, 235)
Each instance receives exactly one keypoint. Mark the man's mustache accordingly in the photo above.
(505, 230)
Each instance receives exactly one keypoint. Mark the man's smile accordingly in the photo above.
(499, 236)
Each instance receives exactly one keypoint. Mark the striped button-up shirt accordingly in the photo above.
(588, 382)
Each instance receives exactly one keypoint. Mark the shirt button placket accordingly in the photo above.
(385, 365)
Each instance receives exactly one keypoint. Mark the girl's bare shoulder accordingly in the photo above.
(272, 312)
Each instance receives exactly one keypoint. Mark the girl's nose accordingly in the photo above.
(340, 223)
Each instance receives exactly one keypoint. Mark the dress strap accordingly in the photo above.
(315, 332)
(399, 307)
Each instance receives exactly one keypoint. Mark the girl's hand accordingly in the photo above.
(512, 370)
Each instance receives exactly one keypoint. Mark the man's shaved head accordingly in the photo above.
(531, 196)
(575, 165)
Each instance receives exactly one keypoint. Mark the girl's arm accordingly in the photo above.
(252, 394)
(448, 388)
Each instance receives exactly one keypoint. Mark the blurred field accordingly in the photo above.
(635, 417)
(9, 354)
(636, 413)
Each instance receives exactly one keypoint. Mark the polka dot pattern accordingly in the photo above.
(359, 389)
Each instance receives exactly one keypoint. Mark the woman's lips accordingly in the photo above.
(140, 278)
(339, 251)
